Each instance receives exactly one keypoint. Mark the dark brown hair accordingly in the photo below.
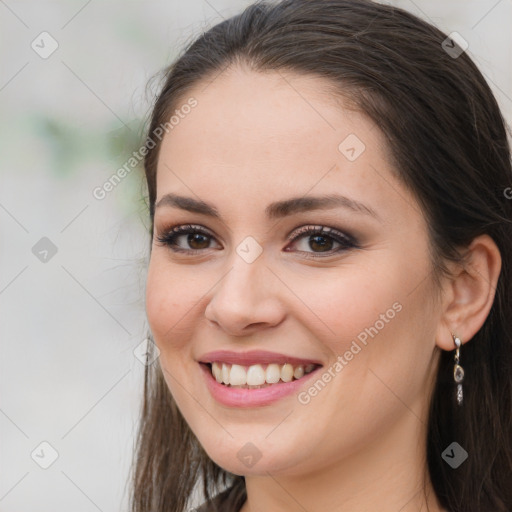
(448, 143)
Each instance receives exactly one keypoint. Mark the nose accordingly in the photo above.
(247, 299)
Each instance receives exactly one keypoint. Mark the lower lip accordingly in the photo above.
(240, 397)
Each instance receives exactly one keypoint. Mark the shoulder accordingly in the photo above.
(229, 500)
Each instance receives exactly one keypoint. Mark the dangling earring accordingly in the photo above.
(458, 372)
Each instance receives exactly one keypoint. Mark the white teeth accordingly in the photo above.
(287, 372)
(298, 372)
(225, 373)
(237, 376)
(273, 373)
(217, 372)
(257, 375)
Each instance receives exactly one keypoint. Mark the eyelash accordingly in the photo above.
(168, 238)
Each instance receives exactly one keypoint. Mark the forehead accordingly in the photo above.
(268, 135)
(266, 112)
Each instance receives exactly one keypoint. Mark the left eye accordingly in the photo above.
(319, 239)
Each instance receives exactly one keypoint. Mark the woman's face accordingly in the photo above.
(354, 296)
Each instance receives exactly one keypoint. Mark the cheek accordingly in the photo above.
(375, 317)
(159, 303)
(343, 304)
(171, 295)
(379, 325)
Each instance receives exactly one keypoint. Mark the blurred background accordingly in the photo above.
(75, 93)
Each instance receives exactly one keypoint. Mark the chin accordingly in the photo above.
(252, 458)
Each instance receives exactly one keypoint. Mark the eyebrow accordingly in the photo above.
(276, 210)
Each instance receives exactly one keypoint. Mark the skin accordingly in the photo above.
(358, 445)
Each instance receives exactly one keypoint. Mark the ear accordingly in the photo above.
(469, 294)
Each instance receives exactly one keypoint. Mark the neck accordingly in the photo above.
(388, 474)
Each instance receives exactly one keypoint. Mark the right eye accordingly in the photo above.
(197, 238)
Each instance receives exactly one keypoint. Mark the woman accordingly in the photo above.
(329, 280)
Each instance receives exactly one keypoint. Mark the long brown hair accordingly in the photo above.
(448, 142)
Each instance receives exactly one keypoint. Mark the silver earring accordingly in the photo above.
(458, 372)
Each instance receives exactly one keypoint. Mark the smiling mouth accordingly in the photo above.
(257, 376)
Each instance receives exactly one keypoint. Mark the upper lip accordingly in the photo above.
(254, 357)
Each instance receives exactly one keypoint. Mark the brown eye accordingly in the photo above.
(312, 241)
(198, 241)
(315, 240)
(321, 243)
(187, 238)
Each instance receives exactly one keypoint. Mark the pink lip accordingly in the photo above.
(239, 397)
(253, 357)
